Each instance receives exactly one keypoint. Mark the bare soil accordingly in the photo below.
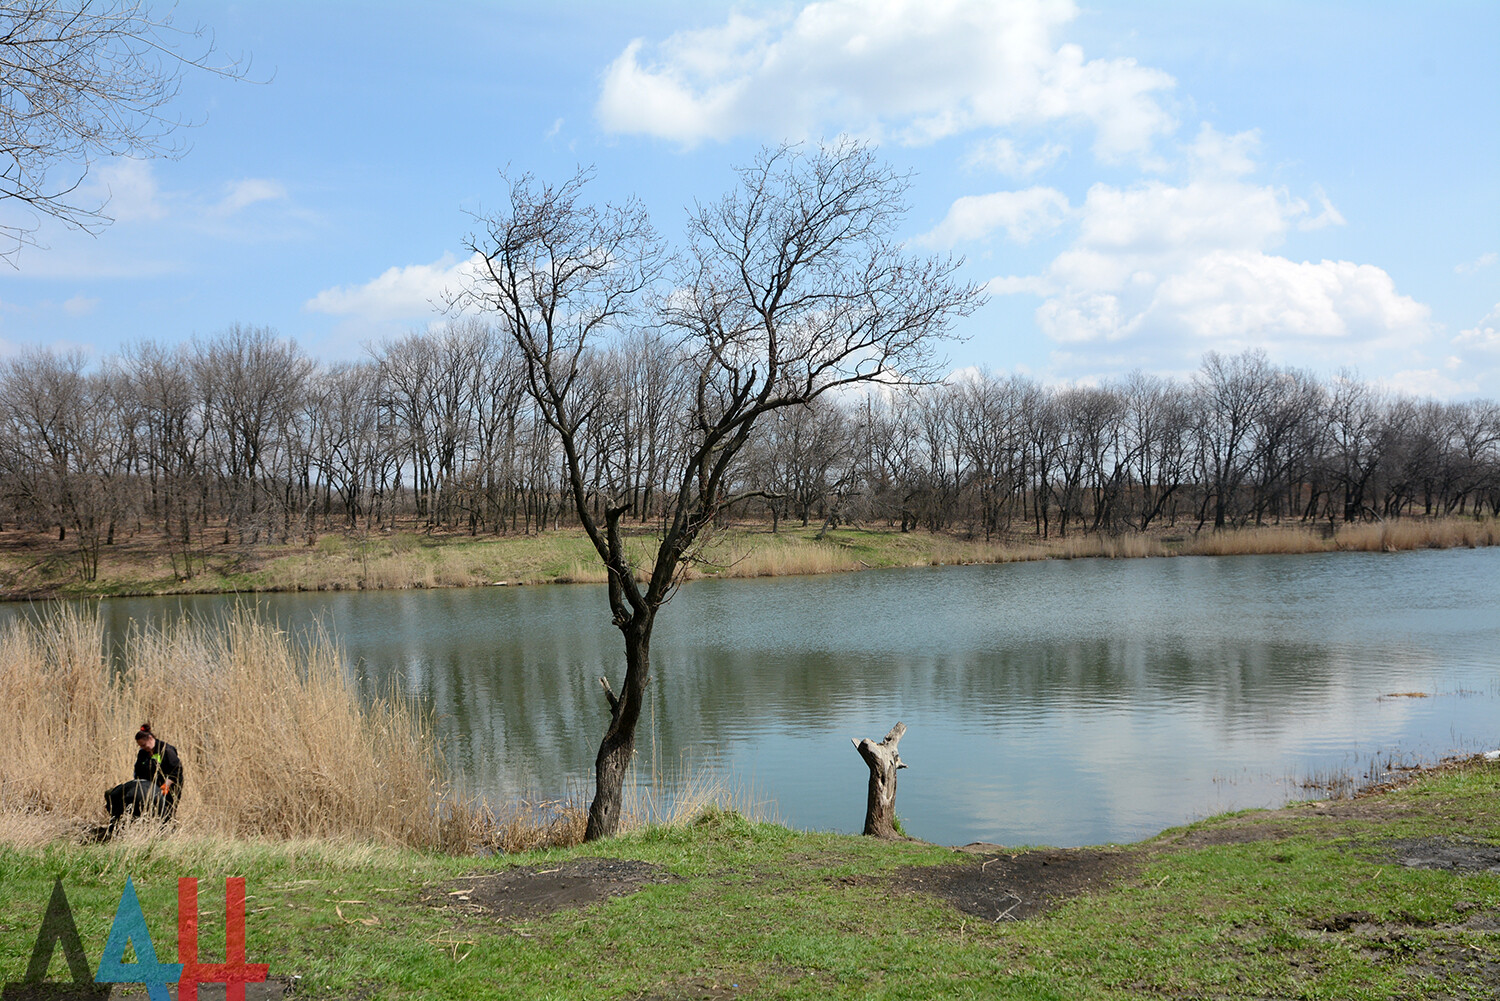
(531, 891)
(1451, 854)
(997, 885)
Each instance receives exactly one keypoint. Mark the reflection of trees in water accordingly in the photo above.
(509, 673)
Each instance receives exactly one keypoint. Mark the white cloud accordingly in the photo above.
(80, 305)
(1003, 155)
(1429, 382)
(416, 290)
(1165, 271)
(1214, 154)
(129, 190)
(1478, 264)
(1483, 337)
(916, 70)
(1022, 214)
(1019, 285)
(247, 192)
(1330, 216)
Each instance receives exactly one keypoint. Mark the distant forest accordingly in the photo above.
(242, 437)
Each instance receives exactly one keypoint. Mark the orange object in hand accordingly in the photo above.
(164, 787)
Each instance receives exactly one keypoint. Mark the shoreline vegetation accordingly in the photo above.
(33, 566)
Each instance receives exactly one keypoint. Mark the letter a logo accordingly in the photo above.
(57, 926)
(130, 927)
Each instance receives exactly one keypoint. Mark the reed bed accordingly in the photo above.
(274, 739)
(1394, 536)
(1385, 536)
(1264, 540)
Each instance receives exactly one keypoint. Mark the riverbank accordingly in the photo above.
(1392, 894)
(33, 566)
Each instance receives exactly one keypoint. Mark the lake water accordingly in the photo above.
(1059, 702)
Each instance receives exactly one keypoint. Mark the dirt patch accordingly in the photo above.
(1233, 833)
(1450, 854)
(998, 886)
(532, 891)
(701, 988)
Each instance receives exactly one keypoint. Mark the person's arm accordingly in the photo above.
(144, 767)
(171, 767)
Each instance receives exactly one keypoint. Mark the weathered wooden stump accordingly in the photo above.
(880, 811)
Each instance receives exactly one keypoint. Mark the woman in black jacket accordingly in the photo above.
(157, 785)
(157, 762)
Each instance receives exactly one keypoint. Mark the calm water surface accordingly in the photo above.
(1064, 702)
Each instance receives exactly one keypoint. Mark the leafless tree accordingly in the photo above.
(1231, 392)
(791, 286)
(85, 80)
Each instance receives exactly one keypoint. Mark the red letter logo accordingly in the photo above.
(234, 972)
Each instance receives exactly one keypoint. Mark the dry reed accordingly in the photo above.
(274, 739)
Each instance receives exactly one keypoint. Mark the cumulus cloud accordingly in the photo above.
(1022, 214)
(1165, 270)
(913, 70)
(415, 290)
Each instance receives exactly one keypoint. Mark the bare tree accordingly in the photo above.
(1231, 392)
(85, 80)
(792, 286)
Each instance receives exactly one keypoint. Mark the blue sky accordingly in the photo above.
(1138, 183)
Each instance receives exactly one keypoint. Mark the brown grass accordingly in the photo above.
(1386, 536)
(274, 739)
(1255, 541)
(1394, 536)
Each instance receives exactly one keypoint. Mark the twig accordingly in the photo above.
(1006, 913)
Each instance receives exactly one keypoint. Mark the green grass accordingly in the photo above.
(784, 914)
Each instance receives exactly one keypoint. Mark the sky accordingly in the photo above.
(1136, 183)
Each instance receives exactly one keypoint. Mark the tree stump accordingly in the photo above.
(880, 811)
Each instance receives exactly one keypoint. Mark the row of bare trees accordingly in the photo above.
(243, 438)
(1241, 442)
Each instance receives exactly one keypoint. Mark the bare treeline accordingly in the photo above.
(243, 438)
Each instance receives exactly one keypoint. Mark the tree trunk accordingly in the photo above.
(618, 745)
(884, 761)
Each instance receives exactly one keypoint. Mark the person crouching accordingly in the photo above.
(157, 785)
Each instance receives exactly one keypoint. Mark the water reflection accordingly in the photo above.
(1065, 702)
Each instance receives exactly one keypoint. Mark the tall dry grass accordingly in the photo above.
(1263, 540)
(1394, 536)
(1385, 536)
(274, 739)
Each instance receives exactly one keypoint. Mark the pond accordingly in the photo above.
(1058, 702)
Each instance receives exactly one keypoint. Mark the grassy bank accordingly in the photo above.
(1383, 897)
(34, 566)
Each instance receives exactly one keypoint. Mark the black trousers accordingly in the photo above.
(137, 797)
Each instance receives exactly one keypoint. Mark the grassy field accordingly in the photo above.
(1386, 896)
(37, 566)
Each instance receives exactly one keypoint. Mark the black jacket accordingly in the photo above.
(160, 764)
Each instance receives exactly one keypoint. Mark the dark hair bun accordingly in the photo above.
(144, 731)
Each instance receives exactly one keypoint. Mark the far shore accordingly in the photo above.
(34, 566)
